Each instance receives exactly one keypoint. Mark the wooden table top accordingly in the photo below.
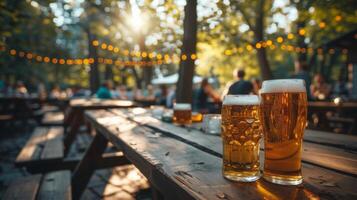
(94, 103)
(330, 104)
(186, 163)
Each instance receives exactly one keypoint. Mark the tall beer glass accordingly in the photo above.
(241, 132)
(182, 113)
(283, 117)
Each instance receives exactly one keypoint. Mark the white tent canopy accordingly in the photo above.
(172, 79)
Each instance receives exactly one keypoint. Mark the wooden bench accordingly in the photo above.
(44, 151)
(53, 119)
(342, 122)
(54, 185)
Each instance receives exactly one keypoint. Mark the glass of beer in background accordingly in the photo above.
(182, 113)
(283, 118)
(241, 132)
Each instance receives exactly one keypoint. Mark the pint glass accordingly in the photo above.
(283, 117)
(182, 113)
(241, 132)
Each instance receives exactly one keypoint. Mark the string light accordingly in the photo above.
(228, 52)
(280, 39)
(29, 56)
(290, 36)
(39, 58)
(322, 24)
(13, 52)
(95, 43)
(166, 57)
(54, 60)
(62, 61)
(144, 54)
(46, 59)
(338, 18)
(302, 32)
(258, 45)
(249, 47)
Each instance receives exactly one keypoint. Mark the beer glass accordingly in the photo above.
(241, 132)
(283, 117)
(182, 113)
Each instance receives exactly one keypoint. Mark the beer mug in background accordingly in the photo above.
(241, 132)
(283, 117)
(182, 113)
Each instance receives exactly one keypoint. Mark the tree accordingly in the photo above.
(187, 66)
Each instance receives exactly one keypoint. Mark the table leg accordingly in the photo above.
(156, 195)
(74, 125)
(87, 165)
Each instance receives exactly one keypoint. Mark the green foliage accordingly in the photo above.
(224, 25)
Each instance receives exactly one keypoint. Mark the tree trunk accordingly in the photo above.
(186, 71)
(136, 77)
(108, 75)
(259, 36)
(94, 80)
(147, 70)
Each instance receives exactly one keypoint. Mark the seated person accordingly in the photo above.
(205, 92)
(320, 90)
(104, 91)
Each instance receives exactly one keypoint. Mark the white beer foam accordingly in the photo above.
(283, 85)
(182, 106)
(241, 100)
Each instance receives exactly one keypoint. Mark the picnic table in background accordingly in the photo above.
(74, 116)
(323, 113)
(25, 107)
(185, 163)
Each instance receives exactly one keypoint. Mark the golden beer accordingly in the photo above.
(283, 117)
(241, 132)
(182, 113)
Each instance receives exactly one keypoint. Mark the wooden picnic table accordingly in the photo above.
(24, 107)
(321, 113)
(185, 163)
(74, 115)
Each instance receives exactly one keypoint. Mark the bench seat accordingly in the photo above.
(53, 119)
(43, 150)
(53, 185)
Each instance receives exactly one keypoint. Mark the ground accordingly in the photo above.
(125, 182)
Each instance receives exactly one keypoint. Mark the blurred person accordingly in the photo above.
(129, 93)
(301, 72)
(21, 89)
(257, 84)
(320, 90)
(241, 86)
(171, 96)
(2, 86)
(123, 93)
(161, 95)
(104, 91)
(41, 90)
(147, 94)
(205, 92)
(340, 88)
(78, 92)
(55, 92)
(115, 92)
